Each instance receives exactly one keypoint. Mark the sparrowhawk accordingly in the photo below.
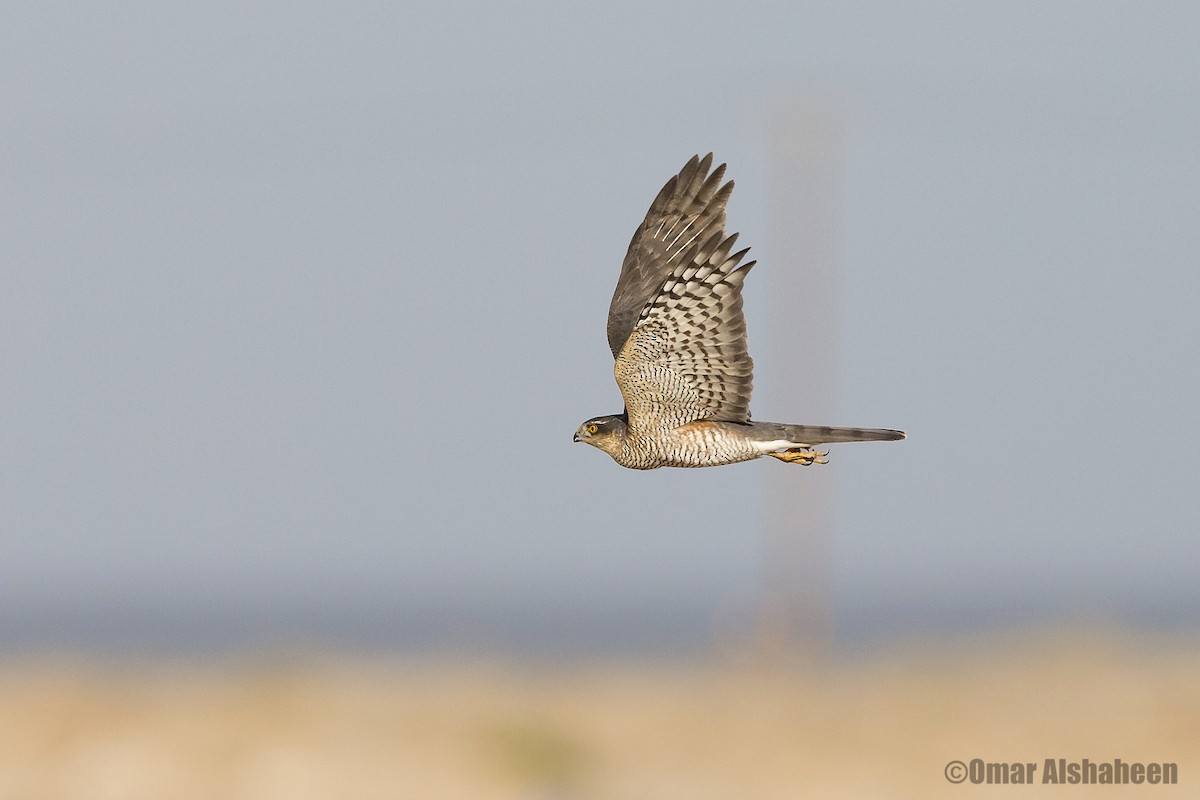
(676, 330)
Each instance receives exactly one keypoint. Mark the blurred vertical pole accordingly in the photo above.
(804, 164)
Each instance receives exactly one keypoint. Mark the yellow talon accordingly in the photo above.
(802, 455)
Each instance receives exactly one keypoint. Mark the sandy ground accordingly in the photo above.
(883, 725)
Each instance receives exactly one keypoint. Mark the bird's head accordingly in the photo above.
(603, 432)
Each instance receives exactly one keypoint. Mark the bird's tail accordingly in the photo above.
(783, 436)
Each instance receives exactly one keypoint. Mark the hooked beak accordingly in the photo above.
(576, 438)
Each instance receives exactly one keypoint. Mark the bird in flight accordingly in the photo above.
(676, 330)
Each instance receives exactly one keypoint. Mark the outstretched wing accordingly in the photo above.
(686, 358)
(690, 208)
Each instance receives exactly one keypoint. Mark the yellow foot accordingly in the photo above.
(802, 455)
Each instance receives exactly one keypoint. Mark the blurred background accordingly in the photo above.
(301, 303)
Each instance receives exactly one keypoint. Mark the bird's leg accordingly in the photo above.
(802, 455)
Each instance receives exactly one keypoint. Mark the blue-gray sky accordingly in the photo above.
(302, 302)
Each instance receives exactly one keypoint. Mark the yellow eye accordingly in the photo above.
(593, 428)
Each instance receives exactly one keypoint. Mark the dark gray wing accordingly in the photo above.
(689, 210)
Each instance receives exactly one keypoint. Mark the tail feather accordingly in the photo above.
(800, 435)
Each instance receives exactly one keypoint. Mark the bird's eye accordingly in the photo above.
(593, 428)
